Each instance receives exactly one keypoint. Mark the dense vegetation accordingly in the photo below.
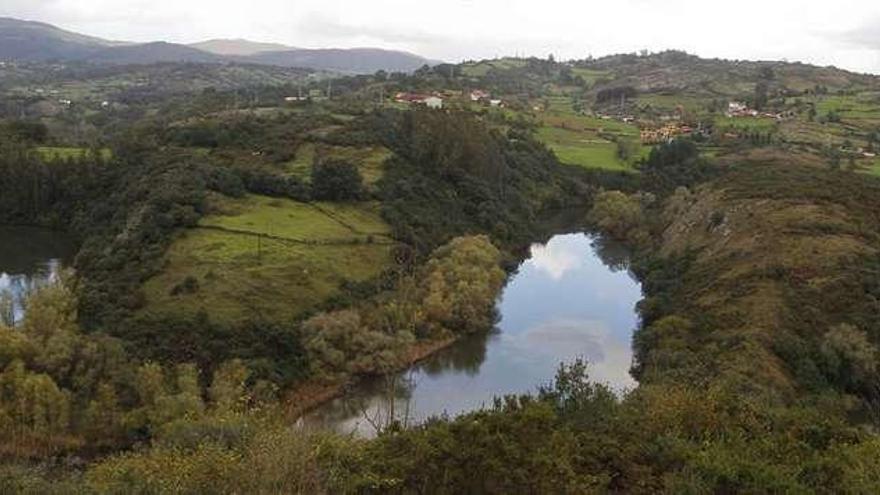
(757, 354)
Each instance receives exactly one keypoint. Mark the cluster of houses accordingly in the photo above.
(430, 101)
(480, 96)
(313, 94)
(739, 109)
(665, 133)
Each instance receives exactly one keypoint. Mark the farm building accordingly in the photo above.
(739, 109)
(434, 102)
(418, 99)
(479, 95)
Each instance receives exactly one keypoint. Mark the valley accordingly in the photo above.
(638, 273)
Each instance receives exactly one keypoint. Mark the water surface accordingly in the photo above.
(30, 257)
(574, 297)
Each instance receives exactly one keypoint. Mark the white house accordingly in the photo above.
(434, 102)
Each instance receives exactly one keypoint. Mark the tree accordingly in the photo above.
(674, 164)
(761, 95)
(460, 285)
(339, 343)
(627, 149)
(617, 213)
(849, 356)
(7, 308)
(229, 387)
(337, 181)
(103, 418)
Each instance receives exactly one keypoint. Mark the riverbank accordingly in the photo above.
(314, 393)
(572, 298)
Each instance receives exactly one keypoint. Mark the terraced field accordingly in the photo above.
(261, 257)
(584, 140)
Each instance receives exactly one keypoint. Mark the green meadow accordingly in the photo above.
(369, 160)
(63, 153)
(269, 258)
(585, 150)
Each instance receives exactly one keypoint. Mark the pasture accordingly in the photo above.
(585, 150)
(64, 153)
(369, 160)
(261, 257)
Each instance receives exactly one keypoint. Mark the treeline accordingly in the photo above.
(64, 390)
(452, 176)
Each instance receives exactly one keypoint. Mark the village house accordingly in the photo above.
(434, 102)
(664, 134)
(739, 109)
(430, 101)
(479, 95)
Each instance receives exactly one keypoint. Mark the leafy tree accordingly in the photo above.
(849, 357)
(339, 343)
(627, 149)
(460, 285)
(229, 387)
(760, 98)
(7, 308)
(674, 164)
(27, 131)
(618, 214)
(337, 181)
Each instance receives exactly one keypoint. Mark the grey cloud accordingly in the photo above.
(321, 25)
(865, 36)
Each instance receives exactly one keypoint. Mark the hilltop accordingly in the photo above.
(238, 47)
(28, 41)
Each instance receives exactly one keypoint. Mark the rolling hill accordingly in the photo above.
(36, 41)
(238, 47)
(149, 53)
(355, 60)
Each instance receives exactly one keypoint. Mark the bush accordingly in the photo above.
(337, 181)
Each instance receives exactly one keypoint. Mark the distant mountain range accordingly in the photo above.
(37, 41)
(239, 47)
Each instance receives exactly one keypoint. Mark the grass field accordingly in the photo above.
(875, 168)
(369, 160)
(746, 124)
(816, 134)
(63, 153)
(584, 149)
(582, 140)
(590, 76)
(670, 102)
(855, 107)
(269, 258)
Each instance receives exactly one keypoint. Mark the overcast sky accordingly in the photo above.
(845, 33)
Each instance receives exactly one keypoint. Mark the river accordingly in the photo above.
(29, 257)
(574, 297)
